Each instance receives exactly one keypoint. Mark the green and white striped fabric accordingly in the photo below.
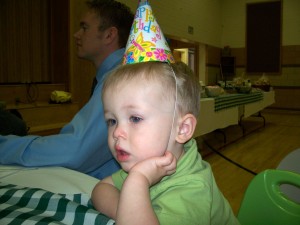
(232, 100)
(22, 205)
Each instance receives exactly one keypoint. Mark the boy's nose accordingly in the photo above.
(119, 132)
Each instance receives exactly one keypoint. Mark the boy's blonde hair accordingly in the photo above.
(188, 88)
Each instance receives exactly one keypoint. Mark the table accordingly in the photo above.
(47, 195)
(252, 108)
(211, 118)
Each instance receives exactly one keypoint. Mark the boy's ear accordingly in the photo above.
(186, 128)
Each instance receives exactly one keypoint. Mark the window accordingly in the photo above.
(264, 37)
(34, 37)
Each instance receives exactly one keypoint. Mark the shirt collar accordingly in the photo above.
(109, 63)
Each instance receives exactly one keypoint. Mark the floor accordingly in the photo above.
(261, 147)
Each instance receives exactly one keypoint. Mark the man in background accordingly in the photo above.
(81, 144)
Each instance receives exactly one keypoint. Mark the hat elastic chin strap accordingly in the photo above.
(175, 107)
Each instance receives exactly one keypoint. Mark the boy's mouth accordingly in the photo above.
(121, 154)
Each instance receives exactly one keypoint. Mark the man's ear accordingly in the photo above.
(111, 34)
(186, 129)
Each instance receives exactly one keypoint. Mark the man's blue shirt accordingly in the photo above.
(81, 144)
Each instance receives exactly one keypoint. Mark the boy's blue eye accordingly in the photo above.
(135, 119)
(111, 122)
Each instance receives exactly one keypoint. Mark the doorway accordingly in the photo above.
(189, 53)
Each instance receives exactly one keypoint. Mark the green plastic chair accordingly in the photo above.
(265, 204)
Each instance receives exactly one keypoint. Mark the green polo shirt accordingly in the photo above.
(189, 196)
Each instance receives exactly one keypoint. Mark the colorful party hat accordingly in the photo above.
(146, 41)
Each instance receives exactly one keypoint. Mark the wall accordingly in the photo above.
(233, 34)
(287, 83)
(234, 20)
(174, 17)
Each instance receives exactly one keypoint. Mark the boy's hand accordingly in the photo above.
(154, 169)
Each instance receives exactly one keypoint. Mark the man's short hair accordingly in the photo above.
(113, 14)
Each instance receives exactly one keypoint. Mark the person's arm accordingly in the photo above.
(135, 204)
(81, 144)
(105, 197)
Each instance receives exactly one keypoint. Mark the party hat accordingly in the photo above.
(146, 41)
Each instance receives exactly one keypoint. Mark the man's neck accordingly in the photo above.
(98, 62)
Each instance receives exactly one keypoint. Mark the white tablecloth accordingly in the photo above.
(252, 108)
(210, 120)
(54, 179)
